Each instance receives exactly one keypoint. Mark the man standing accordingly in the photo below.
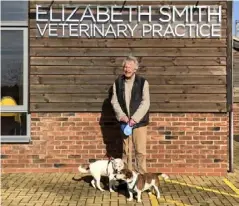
(131, 103)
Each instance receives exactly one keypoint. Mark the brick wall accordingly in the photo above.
(192, 143)
(236, 118)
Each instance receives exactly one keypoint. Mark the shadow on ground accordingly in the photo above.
(236, 138)
(120, 187)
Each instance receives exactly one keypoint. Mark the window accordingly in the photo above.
(15, 120)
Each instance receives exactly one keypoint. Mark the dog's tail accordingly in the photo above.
(164, 176)
(83, 170)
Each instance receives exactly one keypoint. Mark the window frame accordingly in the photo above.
(24, 106)
(20, 108)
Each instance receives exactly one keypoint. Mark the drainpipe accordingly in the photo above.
(231, 153)
(230, 82)
(231, 133)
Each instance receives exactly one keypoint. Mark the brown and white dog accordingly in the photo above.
(140, 182)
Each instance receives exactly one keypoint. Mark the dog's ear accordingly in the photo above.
(129, 174)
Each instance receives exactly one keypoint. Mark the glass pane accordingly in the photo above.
(13, 124)
(12, 65)
(14, 10)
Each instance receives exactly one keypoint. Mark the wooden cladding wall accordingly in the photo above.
(75, 74)
(236, 69)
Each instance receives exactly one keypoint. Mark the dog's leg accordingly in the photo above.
(139, 196)
(98, 185)
(111, 178)
(157, 191)
(96, 182)
(93, 183)
(130, 196)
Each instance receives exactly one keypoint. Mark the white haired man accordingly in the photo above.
(131, 102)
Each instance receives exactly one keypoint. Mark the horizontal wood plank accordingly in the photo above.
(236, 83)
(165, 70)
(154, 89)
(108, 79)
(117, 61)
(68, 98)
(139, 52)
(129, 43)
(236, 89)
(236, 99)
(236, 45)
(236, 94)
(155, 107)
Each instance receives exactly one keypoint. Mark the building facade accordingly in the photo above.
(65, 114)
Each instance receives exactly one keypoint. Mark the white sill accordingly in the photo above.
(15, 139)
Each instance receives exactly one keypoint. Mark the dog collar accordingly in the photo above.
(114, 170)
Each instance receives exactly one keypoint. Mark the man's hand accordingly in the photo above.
(132, 122)
(124, 119)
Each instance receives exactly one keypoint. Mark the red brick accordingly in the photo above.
(157, 119)
(170, 156)
(193, 142)
(154, 142)
(164, 115)
(74, 147)
(199, 137)
(192, 124)
(82, 124)
(158, 137)
(185, 119)
(179, 170)
(178, 142)
(61, 147)
(200, 157)
(186, 137)
(193, 161)
(212, 137)
(158, 156)
(213, 119)
(179, 124)
(193, 151)
(192, 170)
(186, 147)
(206, 133)
(165, 170)
(152, 151)
(160, 147)
(206, 124)
(200, 128)
(87, 156)
(178, 151)
(89, 147)
(206, 161)
(172, 147)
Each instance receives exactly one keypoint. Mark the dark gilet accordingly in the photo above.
(136, 97)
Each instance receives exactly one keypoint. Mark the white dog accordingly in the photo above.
(140, 182)
(103, 168)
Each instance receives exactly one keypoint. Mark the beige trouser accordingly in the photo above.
(138, 141)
